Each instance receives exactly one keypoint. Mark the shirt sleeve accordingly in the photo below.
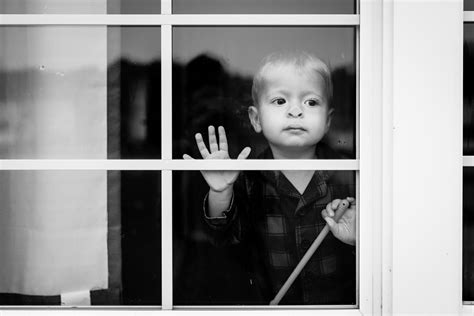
(220, 221)
(231, 226)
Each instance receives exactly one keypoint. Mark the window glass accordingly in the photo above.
(468, 235)
(264, 6)
(134, 92)
(53, 92)
(468, 174)
(468, 82)
(80, 7)
(213, 69)
(70, 236)
(44, 214)
(88, 92)
(139, 196)
(134, 6)
(468, 5)
(53, 7)
(246, 261)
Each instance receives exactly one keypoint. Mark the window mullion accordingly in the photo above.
(166, 154)
(369, 217)
(468, 16)
(468, 161)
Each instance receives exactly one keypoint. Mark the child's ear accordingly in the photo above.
(254, 118)
(329, 119)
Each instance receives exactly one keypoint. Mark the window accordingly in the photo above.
(467, 294)
(128, 137)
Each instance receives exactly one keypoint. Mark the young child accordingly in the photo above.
(278, 214)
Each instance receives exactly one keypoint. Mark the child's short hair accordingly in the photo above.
(302, 60)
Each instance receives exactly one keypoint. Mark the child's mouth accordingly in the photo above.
(294, 128)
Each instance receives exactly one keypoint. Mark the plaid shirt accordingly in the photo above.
(279, 224)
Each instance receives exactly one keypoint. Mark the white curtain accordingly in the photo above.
(53, 105)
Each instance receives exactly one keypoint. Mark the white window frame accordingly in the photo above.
(369, 140)
(425, 218)
(468, 161)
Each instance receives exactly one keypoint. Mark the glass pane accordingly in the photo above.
(80, 238)
(80, 6)
(212, 85)
(247, 259)
(139, 194)
(468, 235)
(134, 6)
(134, 92)
(468, 5)
(87, 92)
(468, 125)
(53, 7)
(264, 6)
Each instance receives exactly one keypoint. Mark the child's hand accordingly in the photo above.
(218, 181)
(345, 228)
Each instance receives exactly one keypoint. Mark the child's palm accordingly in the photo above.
(218, 180)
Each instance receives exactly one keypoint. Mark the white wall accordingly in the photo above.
(427, 156)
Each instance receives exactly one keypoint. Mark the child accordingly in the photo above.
(277, 213)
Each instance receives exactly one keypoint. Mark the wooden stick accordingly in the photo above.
(309, 253)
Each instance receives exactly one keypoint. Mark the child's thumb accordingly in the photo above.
(331, 223)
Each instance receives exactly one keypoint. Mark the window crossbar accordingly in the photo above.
(181, 19)
(198, 164)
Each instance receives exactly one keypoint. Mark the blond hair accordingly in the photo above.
(303, 61)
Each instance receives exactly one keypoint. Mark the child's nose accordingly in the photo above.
(295, 110)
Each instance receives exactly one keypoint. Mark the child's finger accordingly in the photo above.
(329, 210)
(187, 157)
(335, 204)
(201, 146)
(244, 153)
(212, 139)
(331, 223)
(222, 139)
(350, 199)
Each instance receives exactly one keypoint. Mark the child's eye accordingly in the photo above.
(279, 101)
(312, 102)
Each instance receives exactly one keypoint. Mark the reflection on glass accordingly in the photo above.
(80, 7)
(53, 7)
(212, 82)
(247, 256)
(96, 233)
(87, 92)
(53, 92)
(468, 82)
(468, 235)
(134, 92)
(264, 6)
(133, 6)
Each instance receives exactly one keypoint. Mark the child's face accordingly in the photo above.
(293, 110)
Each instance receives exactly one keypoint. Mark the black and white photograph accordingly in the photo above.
(250, 102)
(237, 156)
